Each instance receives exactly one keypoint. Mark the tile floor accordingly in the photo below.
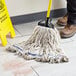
(13, 65)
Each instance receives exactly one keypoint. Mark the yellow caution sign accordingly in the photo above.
(5, 23)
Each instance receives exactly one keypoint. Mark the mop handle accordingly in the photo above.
(46, 24)
(49, 8)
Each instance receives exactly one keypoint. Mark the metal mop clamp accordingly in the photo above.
(47, 22)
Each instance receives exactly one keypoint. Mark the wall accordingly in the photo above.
(21, 7)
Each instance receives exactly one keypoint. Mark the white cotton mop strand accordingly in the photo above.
(43, 46)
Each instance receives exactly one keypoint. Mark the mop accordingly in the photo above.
(43, 45)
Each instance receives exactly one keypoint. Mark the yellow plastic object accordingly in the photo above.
(5, 23)
(49, 8)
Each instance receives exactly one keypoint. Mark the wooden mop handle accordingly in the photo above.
(49, 8)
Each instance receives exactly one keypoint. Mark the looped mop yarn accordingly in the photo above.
(42, 46)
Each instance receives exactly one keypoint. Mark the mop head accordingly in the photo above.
(42, 46)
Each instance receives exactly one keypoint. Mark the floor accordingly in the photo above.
(13, 65)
